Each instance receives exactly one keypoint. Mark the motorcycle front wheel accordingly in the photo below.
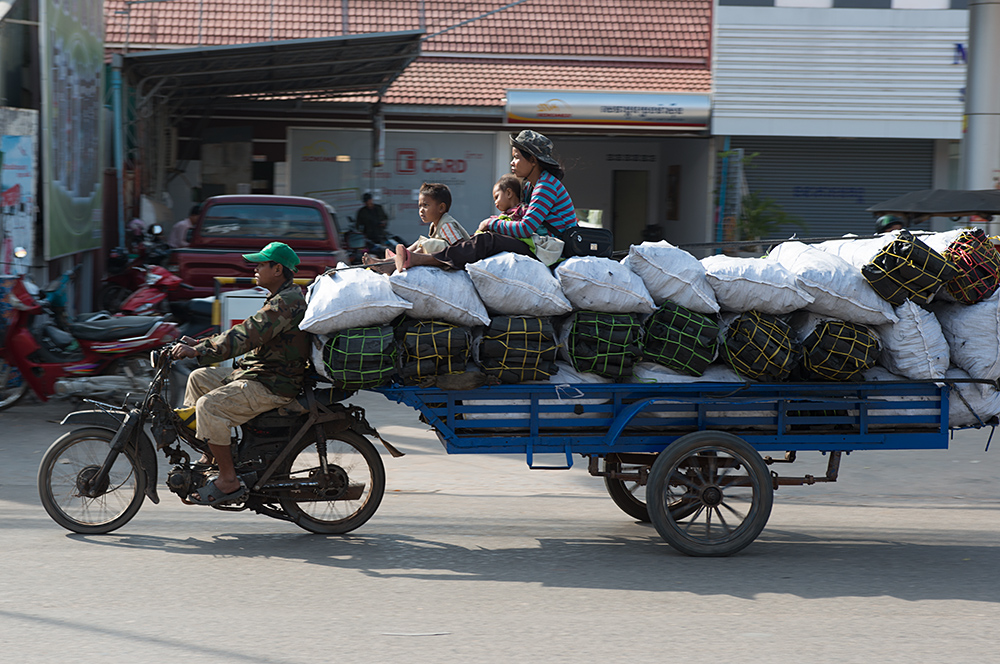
(12, 385)
(111, 297)
(64, 480)
(346, 494)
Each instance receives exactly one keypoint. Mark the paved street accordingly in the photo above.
(478, 559)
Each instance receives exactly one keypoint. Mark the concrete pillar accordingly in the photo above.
(981, 143)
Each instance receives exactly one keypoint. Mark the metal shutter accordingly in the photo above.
(828, 182)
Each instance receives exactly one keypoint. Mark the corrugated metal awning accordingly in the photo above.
(327, 67)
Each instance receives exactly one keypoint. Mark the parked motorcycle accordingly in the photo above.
(152, 298)
(127, 273)
(314, 467)
(97, 355)
(357, 244)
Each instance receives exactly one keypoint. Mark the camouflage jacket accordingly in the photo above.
(276, 350)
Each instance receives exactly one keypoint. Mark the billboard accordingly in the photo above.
(620, 110)
(335, 166)
(71, 40)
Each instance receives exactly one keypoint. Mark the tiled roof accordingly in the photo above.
(566, 44)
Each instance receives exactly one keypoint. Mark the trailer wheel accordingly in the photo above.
(629, 496)
(709, 494)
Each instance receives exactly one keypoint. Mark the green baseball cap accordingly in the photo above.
(279, 252)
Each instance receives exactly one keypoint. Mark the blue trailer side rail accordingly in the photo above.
(604, 419)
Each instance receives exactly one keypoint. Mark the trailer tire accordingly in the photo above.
(630, 497)
(709, 494)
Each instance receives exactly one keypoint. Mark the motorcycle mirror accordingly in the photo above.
(155, 229)
(20, 252)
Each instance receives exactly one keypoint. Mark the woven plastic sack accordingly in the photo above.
(839, 351)
(517, 349)
(565, 381)
(758, 284)
(906, 269)
(602, 343)
(979, 267)
(357, 358)
(759, 347)
(446, 295)
(858, 251)
(431, 348)
(652, 372)
(973, 334)
(350, 298)
(969, 404)
(514, 285)
(680, 339)
(914, 346)
(601, 284)
(837, 287)
(670, 273)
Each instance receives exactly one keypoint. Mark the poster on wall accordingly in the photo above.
(71, 40)
(17, 199)
(335, 166)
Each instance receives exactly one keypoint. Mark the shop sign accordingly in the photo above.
(637, 110)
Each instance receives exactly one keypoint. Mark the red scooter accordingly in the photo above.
(160, 288)
(126, 273)
(100, 356)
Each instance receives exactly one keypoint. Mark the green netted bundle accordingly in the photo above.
(360, 357)
(907, 269)
(680, 339)
(841, 351)
(431, 348)
(978, 263)
(759, 346)
(518, 348)
(604, 344)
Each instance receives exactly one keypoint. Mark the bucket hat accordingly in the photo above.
(279, 252)
(533, 143)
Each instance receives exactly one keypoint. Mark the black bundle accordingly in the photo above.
(759, 346)
(360, 357)
(907, 269)
(680, 339)
(978, 262)
(604, 344)
(516, 349)
(431, 348)
(836, 350)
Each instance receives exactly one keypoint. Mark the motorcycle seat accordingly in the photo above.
(112, 328)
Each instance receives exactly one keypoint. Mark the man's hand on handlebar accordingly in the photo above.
(184, 348)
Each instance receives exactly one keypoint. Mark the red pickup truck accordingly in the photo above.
(230, 226)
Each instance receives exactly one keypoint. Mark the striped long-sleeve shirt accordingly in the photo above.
(550, 202)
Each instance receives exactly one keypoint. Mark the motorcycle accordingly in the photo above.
(358, 244)
(308, 463)
(96, 355)
(126, 274)
(160, 288)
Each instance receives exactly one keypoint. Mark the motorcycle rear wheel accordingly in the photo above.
(12, 385)
(355, 477)
(111, 297)
(67, 464)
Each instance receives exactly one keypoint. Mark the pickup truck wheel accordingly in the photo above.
(709, 494)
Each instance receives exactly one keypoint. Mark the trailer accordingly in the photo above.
(697, 459)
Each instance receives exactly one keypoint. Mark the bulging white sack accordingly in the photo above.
(514, 285)
(350, 298)
(973, 334)
(742, 284)
(914, 346)
(435, 294)
(670, 273)
(593, 283)
(857, 251)
(837, 287)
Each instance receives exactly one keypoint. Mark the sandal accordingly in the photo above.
(211, 494)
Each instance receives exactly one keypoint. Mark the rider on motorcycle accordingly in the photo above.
(269, 375)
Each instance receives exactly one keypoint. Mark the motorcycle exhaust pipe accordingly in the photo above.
(98, 386)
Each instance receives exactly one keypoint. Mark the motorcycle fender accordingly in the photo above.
(112, 421)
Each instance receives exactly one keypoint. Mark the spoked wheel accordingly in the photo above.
(710, 494)
(111, 297)
(344, 495)
(67, 490)
(629, 495)
(12, 385)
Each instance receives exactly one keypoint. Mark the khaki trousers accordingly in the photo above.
(219, 407)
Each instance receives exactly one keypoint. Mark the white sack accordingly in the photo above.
(670, 273)
(983, 399)
(837, 287)
(857, 251)
(435, 294)
(593, 283)
(941, 241)
(973, 334)
(514, 285)
(742, 284)
(651, 372)
(350, 298)
(563, 381)
(914, 346)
